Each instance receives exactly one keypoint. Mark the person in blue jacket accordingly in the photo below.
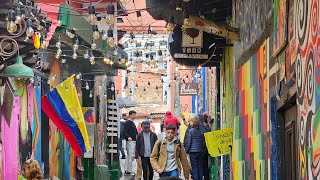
(194, 145)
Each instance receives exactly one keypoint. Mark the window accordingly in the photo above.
(163, 43)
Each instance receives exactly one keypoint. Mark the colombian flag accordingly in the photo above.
(63, 107)
(88, 115)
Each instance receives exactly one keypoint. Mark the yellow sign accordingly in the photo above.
(218, 142)
(183, 128)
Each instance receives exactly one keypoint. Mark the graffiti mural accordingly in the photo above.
(251, 19)
(279, 25)
(25, 136)
(100, 121)
(251, 145)
(10, 162)
(36, 126)
(306, 44)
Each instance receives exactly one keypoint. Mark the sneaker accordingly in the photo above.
(129, 173)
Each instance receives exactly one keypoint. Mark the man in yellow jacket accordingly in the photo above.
(168, 156)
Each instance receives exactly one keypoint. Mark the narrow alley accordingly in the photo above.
(159, 89)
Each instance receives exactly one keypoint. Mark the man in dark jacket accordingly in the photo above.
(130, 134)
(145, 143)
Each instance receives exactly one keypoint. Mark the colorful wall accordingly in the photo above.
(293, 55)
(20, 128)
(251, 144)
(305, 53)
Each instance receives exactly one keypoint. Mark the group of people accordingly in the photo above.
(166, 154)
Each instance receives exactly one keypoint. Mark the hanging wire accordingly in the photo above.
(85, 9)
(15, 45)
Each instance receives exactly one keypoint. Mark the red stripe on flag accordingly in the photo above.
(51, 113)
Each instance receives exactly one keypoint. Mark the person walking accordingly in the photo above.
(168, 156)
(123, 120)
(170, 119)
(204, 128)
(130, 134)
(194, 145)
(145, 143)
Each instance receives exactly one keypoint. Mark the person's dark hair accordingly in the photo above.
(170, 127)
(201, 117)
(205, 118)
(124, 115)
(132, 112)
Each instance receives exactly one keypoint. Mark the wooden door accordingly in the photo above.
(291, 156)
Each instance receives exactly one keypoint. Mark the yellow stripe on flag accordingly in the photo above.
(68, 94)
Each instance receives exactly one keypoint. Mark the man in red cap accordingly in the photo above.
(170, 119)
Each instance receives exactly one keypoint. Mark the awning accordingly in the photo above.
(125, 102)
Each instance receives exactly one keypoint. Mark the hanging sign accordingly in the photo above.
(190, 47)
(188, 89)
(219, 142)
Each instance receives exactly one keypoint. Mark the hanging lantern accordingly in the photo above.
(110, 14)
(29, 31)
(170, 25)
(139, 17)
(92, 14)
(11, 25)
(96, 33)
(18, 16)
(76, 45)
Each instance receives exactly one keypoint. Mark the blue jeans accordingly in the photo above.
(174, 173)
(196, 160)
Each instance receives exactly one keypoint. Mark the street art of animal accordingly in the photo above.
(251, 145)
(306, 44)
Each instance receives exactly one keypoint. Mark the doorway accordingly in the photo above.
(290, 138)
